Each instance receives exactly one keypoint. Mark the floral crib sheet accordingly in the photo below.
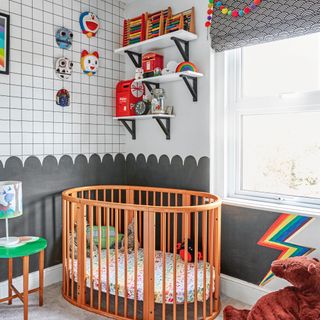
(158, 276)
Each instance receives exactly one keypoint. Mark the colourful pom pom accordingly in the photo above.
(210, 11)
(235, 13)
(246, 10)
(241, 13)
(225, 11)
(257, 2)
(210, 1)
(253, 6)
(229, 13)
(209, 18)
(208, 24)
(218, 4)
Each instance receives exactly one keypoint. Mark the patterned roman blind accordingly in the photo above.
(271, 20)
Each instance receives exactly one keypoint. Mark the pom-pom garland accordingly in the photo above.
(237, 12)
(229, 12)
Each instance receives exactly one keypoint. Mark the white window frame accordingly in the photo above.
(226, 153)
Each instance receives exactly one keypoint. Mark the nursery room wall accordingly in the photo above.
(247, 250)
(192, 120)
(47, 147)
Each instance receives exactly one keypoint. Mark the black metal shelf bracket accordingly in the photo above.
(192, 88)
(132, 129)
(150, 84)
(165, 127)
(185, 52)
(135, 57)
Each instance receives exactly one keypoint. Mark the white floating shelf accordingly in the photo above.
(145, 117)
(172, 77)
(158, 42)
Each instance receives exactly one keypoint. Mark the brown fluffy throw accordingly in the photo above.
(299, 302)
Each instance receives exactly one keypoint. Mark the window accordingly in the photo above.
(273, 122)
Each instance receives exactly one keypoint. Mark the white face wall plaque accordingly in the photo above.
(64, 68)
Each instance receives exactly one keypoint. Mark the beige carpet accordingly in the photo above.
(56, 308)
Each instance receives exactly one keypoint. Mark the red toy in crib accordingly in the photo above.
(189, 252)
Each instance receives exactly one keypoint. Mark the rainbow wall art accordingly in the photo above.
(4, 50)
(278, 236)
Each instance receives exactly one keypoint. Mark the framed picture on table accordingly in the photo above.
(4, 43)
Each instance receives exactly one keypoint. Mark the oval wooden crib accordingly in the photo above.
(122, 258)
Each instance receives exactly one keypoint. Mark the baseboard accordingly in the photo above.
(51, 275)
(240, 290)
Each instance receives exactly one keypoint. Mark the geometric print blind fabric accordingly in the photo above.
(30, 121)
(272, 20)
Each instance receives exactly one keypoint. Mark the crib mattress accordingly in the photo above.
(158, 276)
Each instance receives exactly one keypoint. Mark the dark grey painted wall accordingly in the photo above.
(241, 228)
(43, 184)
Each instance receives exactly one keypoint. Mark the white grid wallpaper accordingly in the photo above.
(30, 121)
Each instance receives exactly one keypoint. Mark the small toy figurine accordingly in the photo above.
(89, 24)
(298, 302)
(64, 68)
(157, 72)
(189, 252)
(139, 74)
(63, 98)
(64, 38)
(89, 62)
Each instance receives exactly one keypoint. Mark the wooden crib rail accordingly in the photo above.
(96, 277)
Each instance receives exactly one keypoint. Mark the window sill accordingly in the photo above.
(266, 206)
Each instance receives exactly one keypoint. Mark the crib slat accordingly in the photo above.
(169, 233)
(68, 248)
(135, 264)
(80, 212)
(175, 231)
(116, 261)
(91, 254)
(107, 261)
(140, 217)
(64, 245)
(186, 229)
(72, 252)
(163, 222)
(217, 256)
(210, 248)
(112, 210)
(204, 246)
(125, 263)
(120, 212)
(104, 208)
(99, 256)
(196, 244)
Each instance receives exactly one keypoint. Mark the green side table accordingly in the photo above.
(24, 252)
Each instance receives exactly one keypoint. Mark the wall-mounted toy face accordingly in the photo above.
(89, 62)
(64, 68)
(63, 98)
(89, 24)
(64, 38)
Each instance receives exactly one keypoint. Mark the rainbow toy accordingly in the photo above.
(285, 227)
(186, 66)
